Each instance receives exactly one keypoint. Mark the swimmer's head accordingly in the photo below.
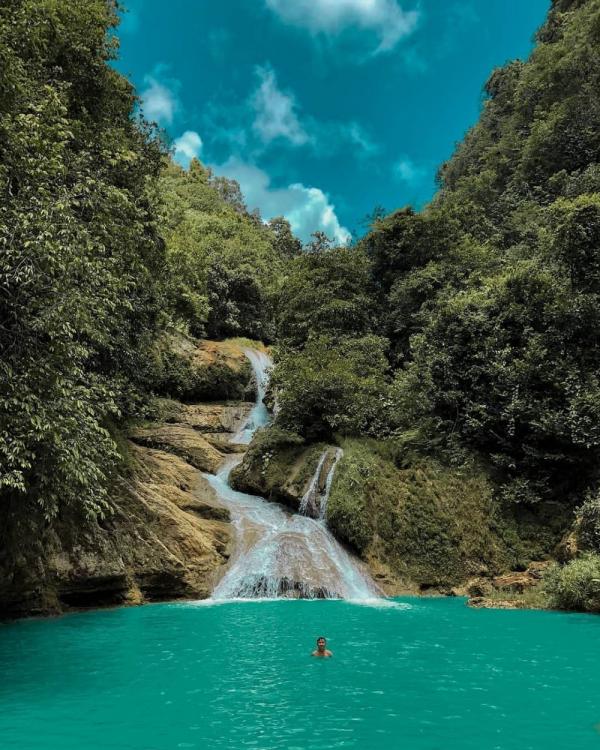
(321, 643)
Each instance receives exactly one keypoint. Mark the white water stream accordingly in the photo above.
(314, 501)
(280, 554)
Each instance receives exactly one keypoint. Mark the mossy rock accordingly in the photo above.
(432, 525)
(278, 465)
(191, 370)
(419, 524)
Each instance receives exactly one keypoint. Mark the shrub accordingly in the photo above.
(575, 585)
(589, 524)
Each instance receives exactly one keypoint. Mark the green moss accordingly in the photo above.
(188, 370)
(186, 381)
(532, 533)
(121, 442)
(432, 524)
(533, 598)
(245, 343)
(278, 465)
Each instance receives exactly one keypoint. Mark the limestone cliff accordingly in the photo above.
(166, 538)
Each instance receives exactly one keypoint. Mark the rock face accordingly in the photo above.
(193, 371)
(215, 422)
(506, 591)
(480, 602)
(421, 527)
(212, 418)
(167, 538)
(281, 474)
(182, 440)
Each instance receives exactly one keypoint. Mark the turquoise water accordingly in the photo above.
(238, 675)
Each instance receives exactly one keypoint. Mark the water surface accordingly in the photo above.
(426, 674)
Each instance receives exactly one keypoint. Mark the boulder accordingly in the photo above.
(518, 582)
(478, 587)
(183, 441)
(212, 418)
(514, 582)
(281, 473)
(192, 370)
(568, 547)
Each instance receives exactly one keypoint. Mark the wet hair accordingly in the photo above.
(321, 638)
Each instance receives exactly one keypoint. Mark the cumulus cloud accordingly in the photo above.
(187, 147)
(275, 111)
(160, 101)
(405, 170)
(385, 18)
(308, 209)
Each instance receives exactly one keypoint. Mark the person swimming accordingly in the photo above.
(321, 649)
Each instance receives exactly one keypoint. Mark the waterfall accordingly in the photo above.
(314, 501)
(308, 504)
(280, 554)
(259, 416)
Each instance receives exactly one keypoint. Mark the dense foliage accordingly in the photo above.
(486, 302)
(575, 585)
(224, 265)
(506, 356)
(79, 253)
(333, 384)
(468, 328)
(104, 246)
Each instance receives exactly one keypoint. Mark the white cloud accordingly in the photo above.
(160, 102)
(275, 115)
(407, 171)
(187, 147)
(385, 18)
(272, 117)
(306, 208)
(354, 134)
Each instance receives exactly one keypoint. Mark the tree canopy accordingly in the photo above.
(486, 302)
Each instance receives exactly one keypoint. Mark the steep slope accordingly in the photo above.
(165, 534)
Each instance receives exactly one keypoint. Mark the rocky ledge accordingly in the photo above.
(166, 539)
(514, 590)
(167, 536)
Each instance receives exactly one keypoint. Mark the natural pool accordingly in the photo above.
(423, 674)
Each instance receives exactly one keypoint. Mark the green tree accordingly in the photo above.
(80, 259)
(333, 385)
(284, 241)
(224, 265)
(326, 293)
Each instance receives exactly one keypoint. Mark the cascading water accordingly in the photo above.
(259, 416)
(280, 554)
(314, 501)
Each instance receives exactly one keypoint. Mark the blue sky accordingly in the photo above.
(321, 109)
